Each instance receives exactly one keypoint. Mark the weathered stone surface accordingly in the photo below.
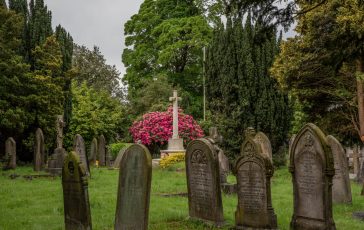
(80, 149)
(77, 214)
(264, 143)
(341, 190)
(60, 124)
(10, 154)
(312, 168)
(119, 157)
(132, 208)
(107, 157)
(203, 182)
(55, 162)
(254, 170)
(39, 153)
(93, 152)
(101, 156)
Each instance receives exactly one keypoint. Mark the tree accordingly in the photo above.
(323, 66)
(95, 112)
(166, 38)
(91, 67)
(241, 93)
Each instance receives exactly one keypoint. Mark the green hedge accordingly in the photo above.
(116, 147)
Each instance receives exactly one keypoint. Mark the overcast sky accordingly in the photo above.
(96, 22)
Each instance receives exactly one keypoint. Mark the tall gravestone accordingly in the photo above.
(39, 153)
(203, 182)
(93, 152)
(80, 149)
(265, 144)
(10, 154)
(132, 208)
(55, 162)
(101, 156)
(312, 168)
(254, 171)
(341, 190)
(77, 214)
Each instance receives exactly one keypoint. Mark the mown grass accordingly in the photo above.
(38, 204)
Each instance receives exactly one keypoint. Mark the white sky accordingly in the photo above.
(96, 22)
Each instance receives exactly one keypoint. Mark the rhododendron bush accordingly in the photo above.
(156, 128)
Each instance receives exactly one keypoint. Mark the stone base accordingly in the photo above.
(359, 215)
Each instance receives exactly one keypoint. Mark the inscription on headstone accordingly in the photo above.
(132, 208)
(101, 156)
(39, 154)
(80, 149)
(10, 154)
(254, 170)
(203, 182)
(312, 168)
(77, 214)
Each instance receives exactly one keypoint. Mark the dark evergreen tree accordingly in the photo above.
(240, 92)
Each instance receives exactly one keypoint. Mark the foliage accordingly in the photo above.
(116, 147)
(91, 67)
(166, 38)
(156, 128)
(319, 66)
(240, 92)
(95, 112)
(172, 159)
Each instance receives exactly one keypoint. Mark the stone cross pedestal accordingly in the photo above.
(175, 144)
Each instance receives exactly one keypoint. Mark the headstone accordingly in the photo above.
(312, 168)
(55, 162)
(254, 171)
(118, 158)
(101, 156)
(360, 174)
(10, 154)
(341, 190)
(203, 182)
(264, 143)
(132, 208)
(107, 157)
(291, 142)
(175, 144)
(77, 214)
(93, 152)
(39, 153)
(80, 149)
(356, 163)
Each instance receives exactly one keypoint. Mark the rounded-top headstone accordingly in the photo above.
(265, 144)
(203, 182)
(39, 154)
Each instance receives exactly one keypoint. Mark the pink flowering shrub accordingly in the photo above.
(156, 128)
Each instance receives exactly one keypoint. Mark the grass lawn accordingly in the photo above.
(38, 204)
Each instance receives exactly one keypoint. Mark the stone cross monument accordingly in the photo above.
(175, 144)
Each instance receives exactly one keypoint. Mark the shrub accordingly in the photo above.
(172, 159)
(116, 147)
(156, 128)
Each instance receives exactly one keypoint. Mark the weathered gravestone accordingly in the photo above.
(10, 154)
(107, 157)
(254, 171)
(341, 190)
(55, 162)
(264, 143)
(80, 149)
(132, 207)
(39, 154)
(356, 162)
(77, 214)
(93, 152)
(312, 168)
(101, 155)
(119, 157)
(203, 182)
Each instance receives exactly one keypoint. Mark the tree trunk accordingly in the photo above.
(360, 95)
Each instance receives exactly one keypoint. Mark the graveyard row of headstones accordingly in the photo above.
(317, 164)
